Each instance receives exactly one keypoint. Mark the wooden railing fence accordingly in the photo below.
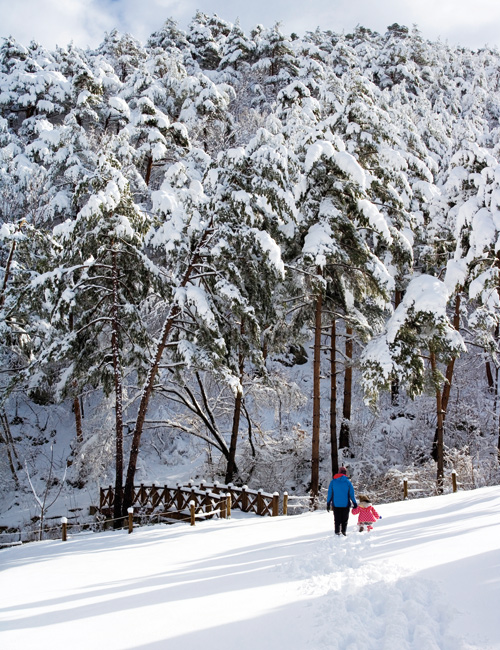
(208, 498)
(407, 490)
(181, 503)
(174, 503)
(242, 498)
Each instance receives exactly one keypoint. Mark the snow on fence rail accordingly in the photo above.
(207, 499)
(174, 502)
(242, 498)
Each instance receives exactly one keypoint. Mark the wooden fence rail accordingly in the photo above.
(173, 502)
(408, 490)
(242, 498)
(206, 497)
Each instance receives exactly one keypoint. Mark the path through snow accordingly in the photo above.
(368, 606)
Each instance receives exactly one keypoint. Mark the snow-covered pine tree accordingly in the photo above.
(123, 52)
(207, 35)
(237, 54)
(418, 332)
(475, 267)
(275, 60)
(93, 292)
(341, 229)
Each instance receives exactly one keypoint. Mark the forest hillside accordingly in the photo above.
(247, 257)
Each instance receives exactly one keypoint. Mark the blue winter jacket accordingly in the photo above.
(341, 492)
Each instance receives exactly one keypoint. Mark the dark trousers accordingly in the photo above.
(341, 516)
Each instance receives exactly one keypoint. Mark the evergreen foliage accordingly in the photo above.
(172, 214)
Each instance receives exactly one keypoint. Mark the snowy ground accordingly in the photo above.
(427, 578)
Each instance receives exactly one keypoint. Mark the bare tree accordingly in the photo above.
(46, 499)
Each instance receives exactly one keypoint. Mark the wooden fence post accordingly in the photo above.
(130, 520)
(223, 506)
(454, 480)
(285, 503)
(276, 504)
(178, 496)
(192, 509)
(142, 493)
(64, 523)
(228, 505)
(260, 504)
(244, 498)
(405, 489)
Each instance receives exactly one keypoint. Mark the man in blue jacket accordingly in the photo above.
(340, 497)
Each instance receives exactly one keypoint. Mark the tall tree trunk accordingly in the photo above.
(231, 463)
(344, 442)
(497, 385)
(147, 390)
(7, 273)
(115, 347)
(440, 426)
(149, 167)
(76, 400)
(143, 407)
(451, 365)
(398, 296)
(78, 419)
(333, 399)
(445, 397)
(316, 401)
(11, 450)
(489, 377)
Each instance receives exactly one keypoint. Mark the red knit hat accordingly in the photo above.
(342, 470)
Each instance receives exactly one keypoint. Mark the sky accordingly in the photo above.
(84, 22)
(426, 578)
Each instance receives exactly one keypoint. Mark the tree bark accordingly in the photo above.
(439, 428)
(149, 167)
(78, 419)
(9, 443)
(7, 273)
(117, 511)
(316, 401)
(497, 383)
(489, 377)
(344, 441)
(451, 365)
(398, 296)
(445, 397)
(333, 399)
(231, 463)
(149, 383)
(76, 400)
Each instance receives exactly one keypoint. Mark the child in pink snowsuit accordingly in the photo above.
(367, 514)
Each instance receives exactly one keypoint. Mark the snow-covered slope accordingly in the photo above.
(426, 578)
